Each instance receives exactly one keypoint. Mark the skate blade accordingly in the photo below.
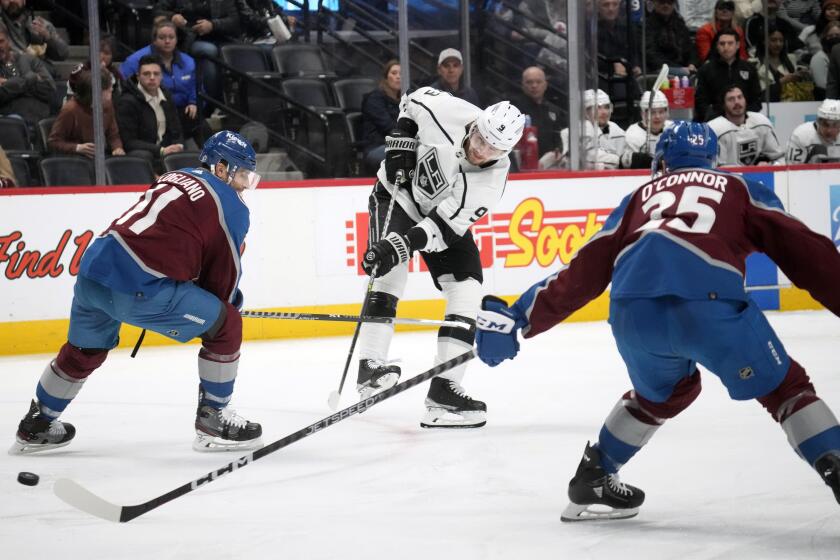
(594, 512)
(26, 448)
(385, 382)
(442, 418)
(206, 443)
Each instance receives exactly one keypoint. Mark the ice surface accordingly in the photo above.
(721, 480)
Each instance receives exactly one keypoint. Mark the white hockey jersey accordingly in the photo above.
(603, 156)
(448, 194)
(747, 143)
(634, 141)
(804, 136)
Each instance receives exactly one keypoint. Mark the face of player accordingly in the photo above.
(166, 40)
(241, 180)
(828, 130)
(450, 71)
(658, 117)
(534, 84)
(149, 77)
(727, 47)
(393, 80)
(478, 150)
(604, 114)
(735, 104)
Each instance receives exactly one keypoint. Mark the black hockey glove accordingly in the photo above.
(401, 150)
(817, 153)
(640, 160)
(385, 254)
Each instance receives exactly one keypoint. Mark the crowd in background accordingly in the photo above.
(151, 108)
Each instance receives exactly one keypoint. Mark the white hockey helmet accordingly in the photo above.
(829, 110)
(501, 125)
(659, 101)
(593, 97)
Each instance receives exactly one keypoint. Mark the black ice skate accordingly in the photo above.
(450, 407)
(222, 429)
(375, 376)
(596, 494)
(828, 466)
(36, 433)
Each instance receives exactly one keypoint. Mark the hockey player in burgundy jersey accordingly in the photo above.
(674, 250)
(170, 264)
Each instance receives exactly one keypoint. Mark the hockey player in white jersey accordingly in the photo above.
(455, 157)
(611, 136)
(812, 142)
(603, 154)
(744, 137)
(636, 154)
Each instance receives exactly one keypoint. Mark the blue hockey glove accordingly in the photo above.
(238, 299)
(498, 326)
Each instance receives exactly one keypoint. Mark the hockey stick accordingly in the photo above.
(334, 397)
(348, 318)
(83, 499)
(660, 79)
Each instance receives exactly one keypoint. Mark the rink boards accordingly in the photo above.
(307, 237)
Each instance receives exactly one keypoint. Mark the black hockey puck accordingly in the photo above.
(28, 478)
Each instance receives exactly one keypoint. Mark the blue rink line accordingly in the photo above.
(761, 271)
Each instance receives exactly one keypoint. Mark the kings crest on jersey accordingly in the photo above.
(448, 193)
(188, 226)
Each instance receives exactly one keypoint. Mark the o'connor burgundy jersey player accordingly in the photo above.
(674, 250)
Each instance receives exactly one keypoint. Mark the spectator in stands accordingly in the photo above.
(800, 13)
(754, 28)
(744, 137)
(32, 35)
(778, 71)
(744, 9)
(695, 13)
(545, 21)
(615, 59)
(106, 61)
(667, 40)
(204, 26)
(380, 109)
(817, 141)
(722, 70)
(254, 16)
(72, 131)
(25, 84)
(7, 174)
(450, 71)
(147, 118)
(178, 72)
(723, 18)
(819, 62)
(544, 114)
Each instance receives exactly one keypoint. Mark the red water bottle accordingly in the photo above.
(529, 148)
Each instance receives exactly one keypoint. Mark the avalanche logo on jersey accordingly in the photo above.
(748, 152)
(430, 179)
(835, 214)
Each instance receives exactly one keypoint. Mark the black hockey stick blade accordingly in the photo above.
(83, 499)
(347, 318)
